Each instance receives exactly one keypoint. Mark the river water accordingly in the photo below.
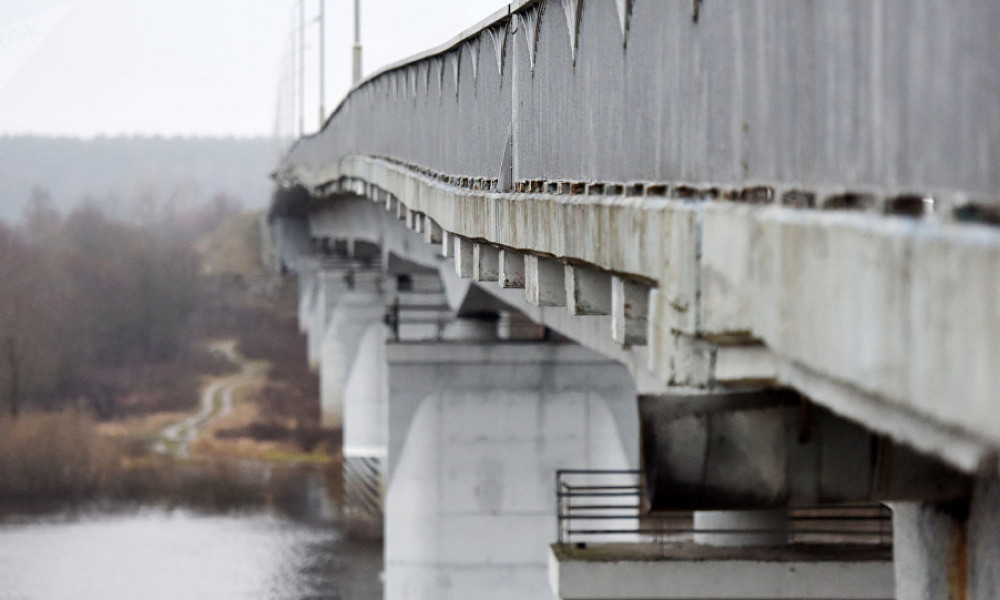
(176, 554)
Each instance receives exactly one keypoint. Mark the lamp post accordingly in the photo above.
(302, 67)
(322, 62)
(357, 41)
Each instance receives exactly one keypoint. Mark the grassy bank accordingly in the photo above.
(61, 459)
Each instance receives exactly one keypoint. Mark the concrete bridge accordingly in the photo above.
(747, 248)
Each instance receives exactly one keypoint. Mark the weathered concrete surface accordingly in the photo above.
(366, 436)
(366, 398)
(692, 571)
(353, 314)
(767, 450)
(984, 540)
(878, 318)
(838, 305)
(476, 432)
(930, 549)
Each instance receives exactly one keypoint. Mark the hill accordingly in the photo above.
(129, 176)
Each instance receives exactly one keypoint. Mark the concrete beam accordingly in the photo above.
(629, 311)
(412, 220)
(463, 257)
(447, 244)
(720, 573)
(511, 266)
(544, 283)
(485, 262)
(432, 231)
(588, 291)
(736, 365)
(846, 343)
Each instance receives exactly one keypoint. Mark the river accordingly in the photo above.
(153, 553)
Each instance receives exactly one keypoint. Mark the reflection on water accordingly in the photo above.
(179, 554)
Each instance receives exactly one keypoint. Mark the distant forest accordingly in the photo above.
(132, 177)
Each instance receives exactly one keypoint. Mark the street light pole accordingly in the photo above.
(322, 61)
(302, 67)
(357, 41)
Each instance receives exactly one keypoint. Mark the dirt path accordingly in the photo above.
(216, 402)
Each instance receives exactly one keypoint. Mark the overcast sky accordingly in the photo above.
(191, 67)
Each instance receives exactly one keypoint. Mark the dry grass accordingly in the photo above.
(63, 458)
(54, 456)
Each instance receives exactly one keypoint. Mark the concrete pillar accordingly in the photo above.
(365, 441)
(629, 311)
(413, 221)
(588, 291)
(353, 314)
(476, 432)
(544, 281)
(738, 528)
(930, 552)
(485, 262)
(307, 291)
(463, 257)
(984, 540)
(511, 269)
(432, 231)
(447, 244)
(949, 551)
(292, 240)
(325, 291)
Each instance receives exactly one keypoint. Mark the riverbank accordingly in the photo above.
(51, 462)
(244, 436)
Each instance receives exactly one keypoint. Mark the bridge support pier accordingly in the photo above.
(365, 436)
(476, 432)
(949, 550)
(353, 314)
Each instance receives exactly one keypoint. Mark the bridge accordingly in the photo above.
(736, 262)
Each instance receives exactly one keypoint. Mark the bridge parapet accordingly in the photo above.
(880, 98)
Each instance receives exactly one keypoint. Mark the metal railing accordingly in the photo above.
(606, 506)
